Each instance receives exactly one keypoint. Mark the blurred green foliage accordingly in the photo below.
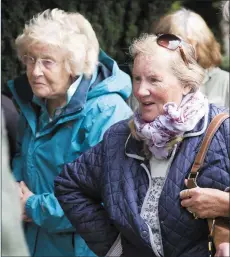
(176, 6)
(116, 23)
(225, 64)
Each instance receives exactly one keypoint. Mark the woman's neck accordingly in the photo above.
(53, 104)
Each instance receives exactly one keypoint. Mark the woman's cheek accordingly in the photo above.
(160, 96)
(136, 91)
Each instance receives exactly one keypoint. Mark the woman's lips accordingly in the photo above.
(147, 105)
(38, 84)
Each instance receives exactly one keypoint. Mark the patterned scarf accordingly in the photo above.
(168, 129)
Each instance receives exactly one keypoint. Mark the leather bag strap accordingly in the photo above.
(199, 160)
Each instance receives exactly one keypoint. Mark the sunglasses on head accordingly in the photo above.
(172, 42)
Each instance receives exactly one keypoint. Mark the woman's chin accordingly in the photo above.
(148, 117)
(40, 93)
(149, 114)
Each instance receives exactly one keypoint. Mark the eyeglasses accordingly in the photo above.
(172, 42)
(30, 61)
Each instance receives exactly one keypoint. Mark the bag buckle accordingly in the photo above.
(193, 177)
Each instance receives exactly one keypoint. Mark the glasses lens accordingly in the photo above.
(48, 64)
(27, 60)
(30, 61)
(169, 41)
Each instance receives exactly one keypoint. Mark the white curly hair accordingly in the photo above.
(68, 31)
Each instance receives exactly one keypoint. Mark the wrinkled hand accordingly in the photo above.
(26, 193)
(223, 250)
(203, 202)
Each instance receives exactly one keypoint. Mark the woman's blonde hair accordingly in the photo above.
(70, 32)
(193, 29)
(191, 76)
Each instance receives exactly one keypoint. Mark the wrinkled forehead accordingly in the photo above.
(42, 49)
(158, 52)
(157, 59)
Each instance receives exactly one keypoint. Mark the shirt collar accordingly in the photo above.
(72, 89)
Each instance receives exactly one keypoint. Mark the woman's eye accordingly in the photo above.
(48, 63)
(137, 79)
(153, 80)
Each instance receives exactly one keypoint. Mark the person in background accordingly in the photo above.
(13, 240)
(11, 119)
(194, 30)
(225, 10)
(71, 94)
(138, 169)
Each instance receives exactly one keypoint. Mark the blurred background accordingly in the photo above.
(116, 23)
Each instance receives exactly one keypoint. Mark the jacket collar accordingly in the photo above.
(209, 73)
(25, 95)
(134, 148)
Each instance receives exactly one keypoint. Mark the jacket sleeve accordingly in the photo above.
(17, 160)
(216, 168)
(226, 103)
(45, 211)
(109, 110)
(77, 189)
(225, 129)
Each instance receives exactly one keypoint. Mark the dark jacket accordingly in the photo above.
(11, 117)
(115, 172)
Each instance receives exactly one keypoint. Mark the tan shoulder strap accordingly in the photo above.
(199, 160)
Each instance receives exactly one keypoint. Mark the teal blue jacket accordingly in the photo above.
(41, 154)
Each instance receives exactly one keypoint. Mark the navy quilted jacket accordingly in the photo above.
(115, 172)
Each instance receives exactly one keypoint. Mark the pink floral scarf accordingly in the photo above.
(166, 130)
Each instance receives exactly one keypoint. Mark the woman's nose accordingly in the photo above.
(142, 90)
(37, 69)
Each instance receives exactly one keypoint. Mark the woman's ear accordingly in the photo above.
(186, 90)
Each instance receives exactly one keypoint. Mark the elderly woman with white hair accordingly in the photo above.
(70, 95)
(138, 169)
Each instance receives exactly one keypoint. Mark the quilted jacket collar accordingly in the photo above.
(134, 148)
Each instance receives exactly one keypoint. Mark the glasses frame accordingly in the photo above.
(39, 60)
(164, 36)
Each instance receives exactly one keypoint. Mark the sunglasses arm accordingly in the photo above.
(183, 55)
